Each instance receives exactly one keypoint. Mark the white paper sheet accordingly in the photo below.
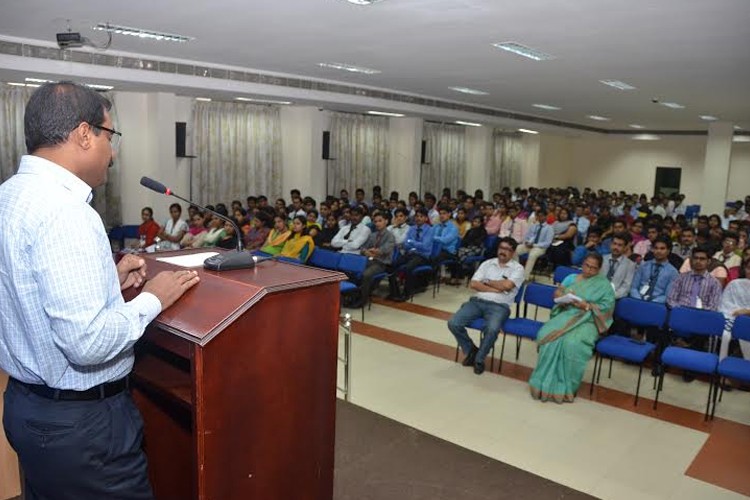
(568, 298)
(192, 260)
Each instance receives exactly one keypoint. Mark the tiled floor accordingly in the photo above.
(402, 367)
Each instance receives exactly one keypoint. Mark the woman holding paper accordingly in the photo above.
(566, 341)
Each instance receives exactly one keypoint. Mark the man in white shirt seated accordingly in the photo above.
(399, 228)
(350, 238)
(497, 281)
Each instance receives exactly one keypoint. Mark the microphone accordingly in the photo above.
(237, 259)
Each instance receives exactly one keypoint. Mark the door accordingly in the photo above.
(667, 180)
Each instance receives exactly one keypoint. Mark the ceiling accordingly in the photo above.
(693, 52)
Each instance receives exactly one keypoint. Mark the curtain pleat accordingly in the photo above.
(445, 157)
(359, 145)
(507, 159)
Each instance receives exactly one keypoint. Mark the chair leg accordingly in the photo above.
(721, 385)
(609, 375)
(492, 358)
(708, 401)
(638, 386)
(502, 352)
(659, 387)
(593, 374)
(518, 347)
(599, 374)
(363, 313)
(716, 392)
(456, 358)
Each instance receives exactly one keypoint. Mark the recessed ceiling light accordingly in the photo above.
(741, 138)
(708, 118)
(94, 86)
(547, 107)
(349, 67)
(598, 118)
(617, 84)
(523, 50)
(646, 137)
(635, 125)
(141, 33)
(737, 127)
(468, 124)
(17, 84)
(97, 86)
(203, 99)
(527, 131)
(467, 90)
(363, 2)
(37, 80)
(261, 101)
(385, 113)
(672, 105)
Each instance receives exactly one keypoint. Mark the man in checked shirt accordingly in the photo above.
(66, 334)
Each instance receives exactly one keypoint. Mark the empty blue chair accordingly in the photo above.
(537, 295)
(352, 265)
(696, 322)
(637, 313)
(325, 259)
(735, 368)
(562, 272)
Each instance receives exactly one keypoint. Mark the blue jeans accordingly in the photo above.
(494, 315)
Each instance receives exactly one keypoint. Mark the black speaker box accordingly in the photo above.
(326, 145)
(180, 132)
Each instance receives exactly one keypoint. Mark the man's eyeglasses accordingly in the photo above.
(114, 135)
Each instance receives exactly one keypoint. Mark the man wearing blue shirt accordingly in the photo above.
(538, 240)
(446, 239)
(654, 277)
(66, 333)
(593, 244)
(417, 252)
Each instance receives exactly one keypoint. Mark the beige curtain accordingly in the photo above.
(13, 100)
(239, 151)
(507, 158)
(359, 144)
(445, 157)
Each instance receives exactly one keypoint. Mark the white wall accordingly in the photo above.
(478, 158)
(404, 155)
(302, 150)
(739, 171)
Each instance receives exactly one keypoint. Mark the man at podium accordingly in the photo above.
(66, 333)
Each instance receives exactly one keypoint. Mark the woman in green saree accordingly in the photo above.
(566, 341)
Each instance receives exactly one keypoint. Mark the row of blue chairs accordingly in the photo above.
(352, 265)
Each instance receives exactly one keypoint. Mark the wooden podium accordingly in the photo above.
(237, 385)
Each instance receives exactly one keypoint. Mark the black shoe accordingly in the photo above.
(469, 359)
(397, 298)
(479, 368)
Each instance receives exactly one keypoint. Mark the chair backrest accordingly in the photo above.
(519, 295)
(562, 272)
(641, 312)
(540, 295)
(326, 259)
(130, 231)
(741, 328)
(696, 321)
(490, 246)
(352, 263)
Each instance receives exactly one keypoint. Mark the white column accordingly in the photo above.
(404, 155)
(147, 122)
(716, 167)
(302, 151)
(478, 157)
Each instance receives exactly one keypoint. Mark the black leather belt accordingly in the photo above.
(100, 391)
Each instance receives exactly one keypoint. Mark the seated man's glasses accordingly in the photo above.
(114, 136)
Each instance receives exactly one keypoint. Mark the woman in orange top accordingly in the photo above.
(149, 228)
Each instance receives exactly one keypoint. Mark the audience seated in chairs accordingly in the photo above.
(617, 268)
(326, 234)
(684, 246)
(399, 227)
(472, 245)
(496, 283)
(277, 236)
(256, 237)
(149, 228)
(299, 245)
(538, 240)
(174, 229)
(229, 237)
(593, 244)
(653, 278)
(417, 250)
(379, 251)
(196, 228)
(566, 342)
(446, 240)
(560, 252)
(351, 237)
(735, 301)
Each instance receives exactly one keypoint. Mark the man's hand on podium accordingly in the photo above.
(168, 286)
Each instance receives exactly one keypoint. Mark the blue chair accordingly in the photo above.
(120, 233)
(325, 259)
(352, 265)
(474, 261)
(480, 323)
(537, 295)
(637, 313)
(562, 272)
(427, 269)
(735, 368)
(696, 322)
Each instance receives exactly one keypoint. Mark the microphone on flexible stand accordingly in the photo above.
(228, 261)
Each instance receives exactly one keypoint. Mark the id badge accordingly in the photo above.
(644, 289)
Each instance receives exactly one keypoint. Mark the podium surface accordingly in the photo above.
(236, 383)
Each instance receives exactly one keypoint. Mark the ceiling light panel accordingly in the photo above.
(708, 118)
(363, 2)
(646, 137)
(527, 131)
(203, 99)
(468, 124)
(350, 68)
(598, 118)
(672, 105)
(467, 90)
(261, 101)
(617, 84)
(385, 113)
(523, 50)
(142, 33)
(547, 107)
(636, 126)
